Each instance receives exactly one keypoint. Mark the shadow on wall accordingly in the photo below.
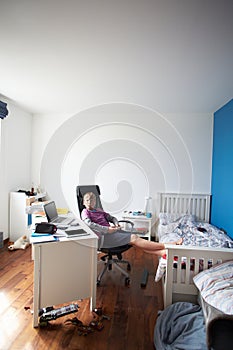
(130, 151)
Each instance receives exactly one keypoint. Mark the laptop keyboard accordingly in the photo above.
(63, 220)
(60, 219)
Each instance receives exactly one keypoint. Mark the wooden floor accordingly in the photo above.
(132, 310)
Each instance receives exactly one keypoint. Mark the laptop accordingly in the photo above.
(53, 217)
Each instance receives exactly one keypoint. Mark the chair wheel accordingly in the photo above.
(127, 281)
(128, 267)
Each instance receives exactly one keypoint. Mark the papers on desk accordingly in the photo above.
(35, 207)
(42, 237)
(59, 233)
(72, 231)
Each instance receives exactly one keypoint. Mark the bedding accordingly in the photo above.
(209, 325)
(180, 326)
(174, 226)
(194, 233)
(216, 295)
(216, 286)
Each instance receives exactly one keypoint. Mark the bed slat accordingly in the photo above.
(181, 287)
(183, 203)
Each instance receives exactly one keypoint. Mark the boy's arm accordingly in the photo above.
(94, 226)
(112, 219)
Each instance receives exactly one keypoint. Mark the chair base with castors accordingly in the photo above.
(110, 261)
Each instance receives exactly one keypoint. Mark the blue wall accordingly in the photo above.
(222, 169)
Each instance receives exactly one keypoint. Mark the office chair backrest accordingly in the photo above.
(109, 252)
(80, 192)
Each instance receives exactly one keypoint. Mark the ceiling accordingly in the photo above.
(62, 56)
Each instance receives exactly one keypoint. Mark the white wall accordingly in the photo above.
(15, 158)
(129, 150)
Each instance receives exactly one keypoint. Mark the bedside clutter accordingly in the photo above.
(142, 222)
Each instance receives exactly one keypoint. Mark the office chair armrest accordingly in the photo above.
(127, 222)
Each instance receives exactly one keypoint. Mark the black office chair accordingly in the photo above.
(110, 253)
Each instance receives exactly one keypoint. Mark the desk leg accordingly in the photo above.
(36, 285)
(94, 279)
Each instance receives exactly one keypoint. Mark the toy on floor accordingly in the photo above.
(21, 243)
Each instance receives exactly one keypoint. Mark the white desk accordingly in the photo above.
(65, 271)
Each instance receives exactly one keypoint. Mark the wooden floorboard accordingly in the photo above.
(132, 310)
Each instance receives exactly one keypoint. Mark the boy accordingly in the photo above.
(111, 236)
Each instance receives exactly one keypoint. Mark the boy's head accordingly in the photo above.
(89, 200)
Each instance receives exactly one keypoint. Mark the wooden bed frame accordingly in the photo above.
(178, 281)
(184, 203)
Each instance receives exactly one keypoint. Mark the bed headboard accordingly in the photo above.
(184, 203)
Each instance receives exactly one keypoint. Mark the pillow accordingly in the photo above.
(167, 218)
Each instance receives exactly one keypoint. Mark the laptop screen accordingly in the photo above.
(50, 211)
